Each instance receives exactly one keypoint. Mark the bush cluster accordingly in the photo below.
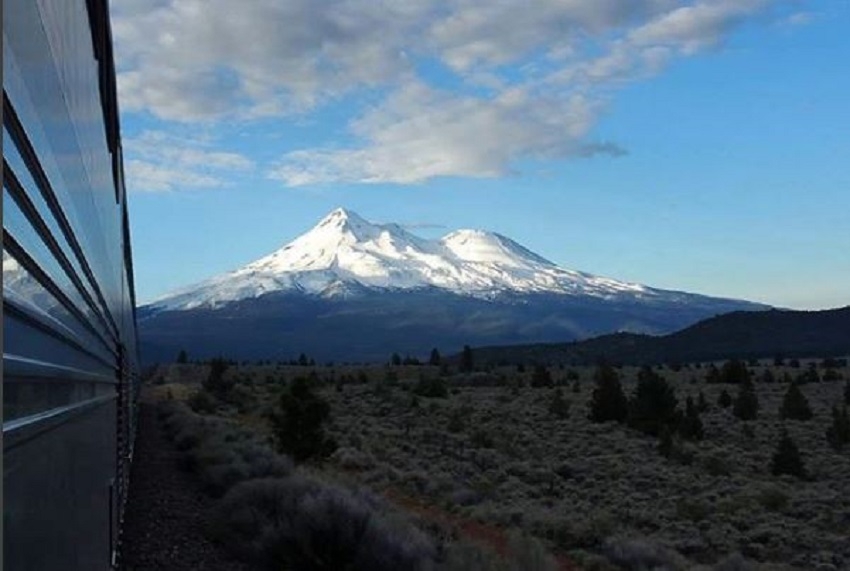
(219, 452)
(274, 517)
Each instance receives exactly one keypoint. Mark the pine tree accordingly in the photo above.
(182, 357)
(560, 407)
(734, 371)
(794, 404)
(434, 359)
(810, 375)
(725, 400)
(786, 459)
(665, 442)
(395, 359)
(608, 401)
(691, 425)
(702, 404)
(298, 422)
(838, 433)
(466, 361)
(541, 377)
(746, 405)
(653, 405)
(215, 383)
(713, 375)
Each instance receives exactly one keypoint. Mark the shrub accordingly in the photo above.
(702, 403)
(734, 371)
(692, 509)
(838, 433)
(559, 406)
(786, 459)
(831, 375)
(772, 499)
(202, 402)
(794, 404)
(219, 452)
(717, 465)
(298, 422)
(457, 423)
(642, 554)
(712, 375)
(725, 399)
(746, 404)
(810, 375)
(541, 377)
(297, 523)
(434, 387)
(690, 427)
(480, 438)
(608, 401)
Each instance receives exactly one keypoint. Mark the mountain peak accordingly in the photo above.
(345, 254)
(341, 217)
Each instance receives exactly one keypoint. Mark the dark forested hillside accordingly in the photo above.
(741, 334)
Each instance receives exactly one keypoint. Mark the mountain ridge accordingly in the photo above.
(351, 290)
(343, 248)
(738, 334)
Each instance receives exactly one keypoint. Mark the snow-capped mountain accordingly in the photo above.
(352, 290)
(344, 253)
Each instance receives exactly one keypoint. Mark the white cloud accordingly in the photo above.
(159, 161)
(533, 76)
(420, 133)
(800, 18)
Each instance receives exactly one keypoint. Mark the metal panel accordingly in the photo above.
(69, 354)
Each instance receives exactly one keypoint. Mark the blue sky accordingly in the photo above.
(699, 146)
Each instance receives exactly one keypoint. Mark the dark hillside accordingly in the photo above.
(740, 334)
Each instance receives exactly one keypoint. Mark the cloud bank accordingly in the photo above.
(464, 88)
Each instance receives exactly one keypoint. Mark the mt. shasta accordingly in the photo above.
(409, 293)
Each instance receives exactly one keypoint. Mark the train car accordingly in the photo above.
(70, 373)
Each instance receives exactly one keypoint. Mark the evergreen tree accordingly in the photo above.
(702, 404)
(847, 392)
(734, 371)
(767, 376)
(794, 404)
(712, 376)
(466, 361)
(560, 407)
(608, 401)
(665, 442)
(810, 375)
(541, 377)
(435, 387)
(215, 383)
(653, 405)
(786, 459)
(302, 360)
(182, 357)
(395, 359)
(298, 422)
(691, 425)
(838, 433)
(746, 405)
(434, 359)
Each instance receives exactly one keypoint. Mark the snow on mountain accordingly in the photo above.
(344, 253)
